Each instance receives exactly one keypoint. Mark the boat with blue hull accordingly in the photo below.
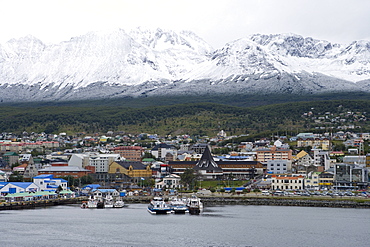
(158, 206)
(178, 206)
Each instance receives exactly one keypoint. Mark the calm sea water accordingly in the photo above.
(216, 226)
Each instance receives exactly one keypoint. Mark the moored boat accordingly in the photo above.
(108, 202)
(194, 205)
(84, 204)
(158, 206)
(92, 203)
(178, 206)
(118, 204)
(100, 203)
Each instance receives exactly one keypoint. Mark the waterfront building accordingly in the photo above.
(312, 180)
(171, 181)
(209, 168)
(206, 167)
(47, 182)
(350, 176)
(105, 193)
(326, 180)
(287, 182)
(17, 187)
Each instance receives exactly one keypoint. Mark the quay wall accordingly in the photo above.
(38, 204)
(269, 201)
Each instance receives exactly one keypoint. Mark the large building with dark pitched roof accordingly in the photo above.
(208, 168)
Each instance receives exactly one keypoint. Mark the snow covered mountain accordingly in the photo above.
(140, 62)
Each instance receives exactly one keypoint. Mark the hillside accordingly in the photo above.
(191, 118)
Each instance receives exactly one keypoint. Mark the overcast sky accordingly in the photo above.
(216, 21)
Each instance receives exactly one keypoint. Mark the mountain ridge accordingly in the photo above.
(143, 62)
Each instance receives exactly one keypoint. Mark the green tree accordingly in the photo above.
(188, 178)
(87, 179)
(16, 177)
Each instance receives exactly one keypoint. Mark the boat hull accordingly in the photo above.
(159, 211)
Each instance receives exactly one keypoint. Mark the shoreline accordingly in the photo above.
(213, 200)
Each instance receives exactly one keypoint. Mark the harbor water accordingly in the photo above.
(235, 225)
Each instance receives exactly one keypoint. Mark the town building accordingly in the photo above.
(132, 153)
(11, 158)
(208, 168)
(321, 159)
(171, 181)
(99, 161)
(47, 182)
(273, 153)
(17, 187)
(316, 143)
(279, 166)
(63, 171)
(133, 169)
(287, 182)
(160, 151)
(350, 176)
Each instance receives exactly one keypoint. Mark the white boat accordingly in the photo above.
(118, 204)
(158, 206)
(108, 202)
(178, 206)
(92, 203)
(194, 205)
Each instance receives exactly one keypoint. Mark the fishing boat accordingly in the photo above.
(158, 206)
(194, 205)
(178, 206)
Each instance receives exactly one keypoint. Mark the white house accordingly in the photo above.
(47, 182)
(105, 193)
